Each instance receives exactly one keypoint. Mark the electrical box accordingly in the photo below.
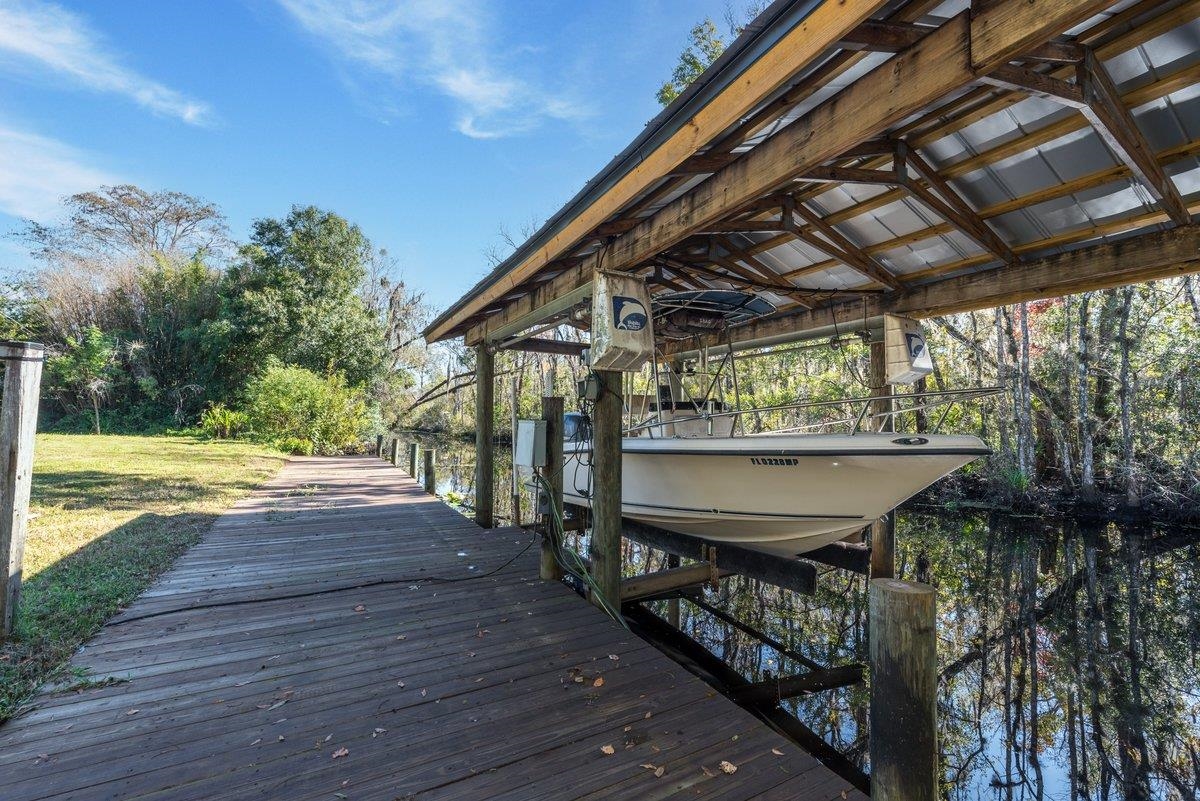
(907, 353)
(622, 326)
(530, 448)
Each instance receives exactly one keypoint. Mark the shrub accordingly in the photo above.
(294, 446)
(288, 403)
(221, 422)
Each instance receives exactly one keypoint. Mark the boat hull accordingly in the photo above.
(774, 493)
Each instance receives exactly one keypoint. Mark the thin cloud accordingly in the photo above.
(36, 173)
(47, 37)
(439, 43)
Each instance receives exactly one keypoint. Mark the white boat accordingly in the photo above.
(782, 494)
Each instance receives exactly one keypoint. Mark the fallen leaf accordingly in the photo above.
(423, 693)
(628, 728)
(648, 766)
(728, 767)
(328, 737)
(339, 795)
(607, 750)
(133, 711)
(599, 682)
(402, 637)
(256, 742)
(399, 684)
(579, 679)
(844, 794)
(659, 773)
(613, 657)
(776, 752)
(281, 738)
(360, 608)
(647, 716)
(378, 732)
(278, 704)
(707, 772)
(341, 752)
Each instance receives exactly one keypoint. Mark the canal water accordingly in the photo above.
(1087, 687)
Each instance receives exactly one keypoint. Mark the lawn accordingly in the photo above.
(109, 515)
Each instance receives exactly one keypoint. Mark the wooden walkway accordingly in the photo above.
(301, 652)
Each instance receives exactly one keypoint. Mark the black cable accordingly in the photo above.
(326, 590)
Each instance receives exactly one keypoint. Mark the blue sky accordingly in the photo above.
(430, 123)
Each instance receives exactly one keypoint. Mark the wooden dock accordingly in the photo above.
(307, 649)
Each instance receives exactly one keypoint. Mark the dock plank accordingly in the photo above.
(339, 607)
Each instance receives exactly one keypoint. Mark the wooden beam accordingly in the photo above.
(1145, 257)
(795, 51)
(604, 547)
(556, 347)
(842, 248)
(1116, 125)
(773, 691)
(1003, 31)
(883, 37)
(552, 413)
(850, 175)
(845, 555)
(791, 574)
(951, 205)
(639, 588)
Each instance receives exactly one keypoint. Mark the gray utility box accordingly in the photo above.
(529, 450)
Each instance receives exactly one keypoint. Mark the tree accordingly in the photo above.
(705, 45)
(83, 371)
(295, 294)
(125, 223)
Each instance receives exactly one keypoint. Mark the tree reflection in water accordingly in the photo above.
(1068, 653)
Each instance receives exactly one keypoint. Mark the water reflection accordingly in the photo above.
(1068, 654)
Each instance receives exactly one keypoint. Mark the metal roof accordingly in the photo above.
(1018, 174)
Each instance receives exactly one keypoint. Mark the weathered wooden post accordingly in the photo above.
(395, 455)
(903, 648)
(605, 548)
(379, 445)
(413, 450)
(673, 604)
(883, 530)
(430, 471)
(552, 413)
(18, 425)
(485, 373)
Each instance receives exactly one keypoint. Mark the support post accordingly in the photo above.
(379, 445)
(18, 425)
(605, 547)
(430, 477)
(413, 451)
(552, 413)
(883, 530)
(485, 479)
(903, 649)
(673, 604)
(395, 455)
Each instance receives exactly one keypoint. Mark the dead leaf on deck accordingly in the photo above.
(776, 752)
(402, 637)
(341, 752)
(607, 750)
(728, 767)
(423, 693)
(399, 684)
(133, 711)
(378, 732)
(599, 682)
(256, 742)
(659, 773)
(328, 737)
(647, 716)
(360, 608)
(613, 657)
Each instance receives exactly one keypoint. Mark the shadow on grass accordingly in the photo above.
(87, 489)
(66, 603)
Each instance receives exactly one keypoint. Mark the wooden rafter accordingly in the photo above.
(835, 243)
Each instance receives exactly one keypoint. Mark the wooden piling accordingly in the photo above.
(379, 445)
(395, 455)
(485, 479)
(413, 451)
(430, 477)
(552, 413)
(903, 653)
(605, 547)
(18, 424)
(673, 604)
(883, 530)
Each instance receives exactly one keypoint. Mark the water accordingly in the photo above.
(1088, 687)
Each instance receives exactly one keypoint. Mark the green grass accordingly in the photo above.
(108, 515)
